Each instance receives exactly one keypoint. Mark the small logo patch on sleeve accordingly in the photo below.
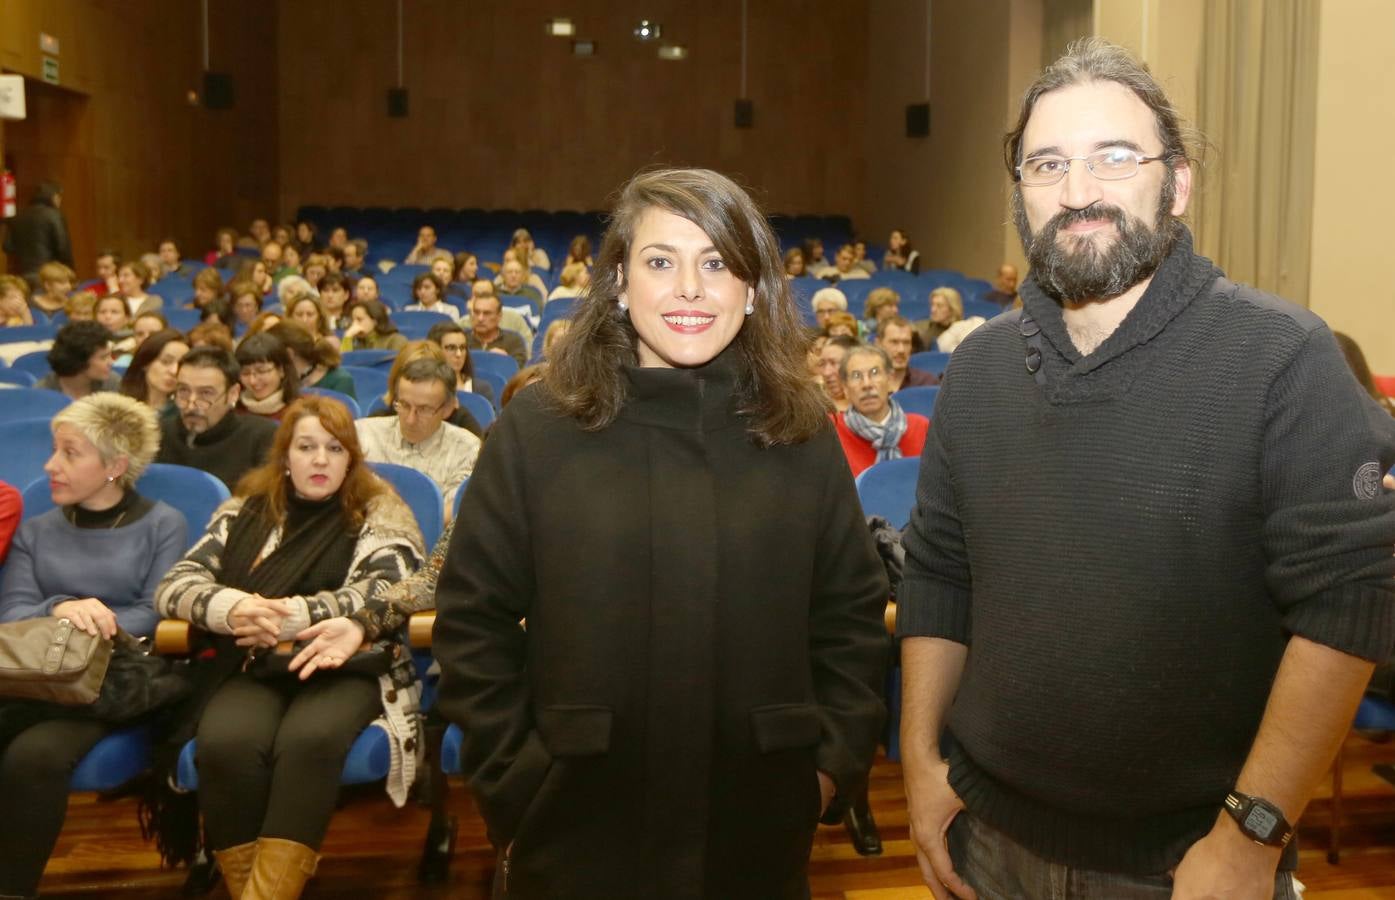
(1366, 482)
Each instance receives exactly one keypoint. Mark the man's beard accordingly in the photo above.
(1079, 270)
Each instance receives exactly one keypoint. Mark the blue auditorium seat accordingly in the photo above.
(349, 402)
(17, 377)
(17, 333)
(27, 443)
(193, 492)
(115, 760)
(498, 363)
(478, 405)
(35, 362)
(460, 497)
(918, 400)
(185, 320)
(369, 760)
(369, 384)
(495, 380)
(417, 323)
(887, 489)
(450, 750)
(31, 403)
(421, 495)
(368, 359)
(932, 361)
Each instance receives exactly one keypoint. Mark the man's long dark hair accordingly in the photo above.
(586, 376)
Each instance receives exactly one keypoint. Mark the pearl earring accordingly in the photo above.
(624, 307)
(110, 479)
(750, 308)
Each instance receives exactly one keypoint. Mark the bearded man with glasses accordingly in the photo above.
(1150, 565)
(208, 434)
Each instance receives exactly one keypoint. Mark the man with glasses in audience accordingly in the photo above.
(208, 433)
(874, 428)
(418, 435)
(1149, 570)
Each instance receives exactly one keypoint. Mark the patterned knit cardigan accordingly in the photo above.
(389, 547)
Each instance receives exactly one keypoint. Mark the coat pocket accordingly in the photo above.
(575, 730)
(786, 726)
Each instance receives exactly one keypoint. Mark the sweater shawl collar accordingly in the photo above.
(1182, 277)
(700, 399)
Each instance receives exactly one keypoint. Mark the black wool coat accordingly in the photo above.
(704, 632)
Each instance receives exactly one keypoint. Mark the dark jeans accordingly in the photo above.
(35, 770)
(270, 754)
(998, 868)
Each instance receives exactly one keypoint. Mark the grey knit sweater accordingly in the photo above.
(1125, 543)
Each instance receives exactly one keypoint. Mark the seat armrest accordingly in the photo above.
(173, 637)
(419, 629)
(889, 617)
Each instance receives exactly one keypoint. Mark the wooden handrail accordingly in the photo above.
(173, 637)
(419, 629)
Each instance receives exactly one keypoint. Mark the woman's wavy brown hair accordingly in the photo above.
(586, 372)
(272, 481)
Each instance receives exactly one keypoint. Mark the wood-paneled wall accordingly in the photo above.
(137, 161)
(503, 116)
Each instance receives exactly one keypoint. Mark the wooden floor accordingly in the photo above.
(372, 848)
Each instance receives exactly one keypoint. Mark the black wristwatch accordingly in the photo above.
(1259, 820)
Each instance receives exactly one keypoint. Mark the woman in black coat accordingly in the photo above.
(699, 678)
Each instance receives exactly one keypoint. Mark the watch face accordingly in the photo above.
(1260, 821)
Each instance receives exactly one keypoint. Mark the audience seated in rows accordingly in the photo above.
(794, 263)
(147, 324)
(316, 362)
(269, 382)
(81, 306)
(371, 328)
(882, 303)
(946, 326)
(895, 336)
(114, 315)
(515, 281)
(170, 263)
(528, 253)
(57, 282)
(429, 295)
(874, 428)
(455, 346)
(426, 250)
(96, 560)
(207, 433)
(417, 435)
(151, 377)
(424, 349)
(80, 361)
(574, 278)
(310, 538)
(844, 266)
(485, 332)
(899, 252)
(14, 301)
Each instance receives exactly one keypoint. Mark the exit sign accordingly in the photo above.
(50, 70)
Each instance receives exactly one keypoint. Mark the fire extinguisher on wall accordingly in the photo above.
(8, 195)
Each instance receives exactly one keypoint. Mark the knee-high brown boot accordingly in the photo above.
(280, 870)
(236, 865)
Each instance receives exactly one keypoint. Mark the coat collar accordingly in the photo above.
(698, 399)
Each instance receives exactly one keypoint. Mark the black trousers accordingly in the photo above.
(270, 754)
(35, 770)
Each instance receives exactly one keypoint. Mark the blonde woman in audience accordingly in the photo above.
(309, 312)
(371, 328)
(57, 281)
(794, 263)
(81, 306)
(208, 286)
(151, 376)
(882, 303)
(573, 280)
(443, 267)
(554, 333)
(841, 324)
(946, 326)
(95, 560)
(308, 539)
(132, 278)
(314, 268)
(579, 250)
(529, 254)
(246, 300)
(14, 301)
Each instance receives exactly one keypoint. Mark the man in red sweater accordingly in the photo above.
(874, 427)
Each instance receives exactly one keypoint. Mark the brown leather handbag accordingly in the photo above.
(51, 659)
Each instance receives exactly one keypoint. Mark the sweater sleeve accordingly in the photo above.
(190, 589)
(848, 644)
(1329, 526)
(935, 596)
(11, 508)
(21, 597)
(168, 539)
(374, 572)
(485, 590)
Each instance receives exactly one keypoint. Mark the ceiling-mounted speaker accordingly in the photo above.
(397, 103)
(745, 114)
(918, 120)
(217, 90)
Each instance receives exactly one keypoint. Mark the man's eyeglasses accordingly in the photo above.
(202, 398)
(407, 409)
(1109, 164)
(453, 348)
(873, 374)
